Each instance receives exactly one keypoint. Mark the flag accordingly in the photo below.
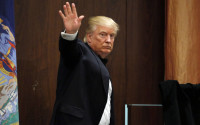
(9, 114)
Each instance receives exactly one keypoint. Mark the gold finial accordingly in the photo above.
(1, 20)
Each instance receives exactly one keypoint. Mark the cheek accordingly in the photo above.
(100, 42)
(112, 43)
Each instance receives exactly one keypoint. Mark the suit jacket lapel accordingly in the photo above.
(104, 72)
(105, 75)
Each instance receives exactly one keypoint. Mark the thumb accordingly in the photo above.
(80, 18)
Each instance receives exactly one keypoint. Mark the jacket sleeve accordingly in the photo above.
(70, 51)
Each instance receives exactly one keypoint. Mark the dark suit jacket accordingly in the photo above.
(82, 87)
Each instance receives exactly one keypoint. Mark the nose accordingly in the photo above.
(108, 39)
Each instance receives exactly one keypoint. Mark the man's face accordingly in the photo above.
(101, 40)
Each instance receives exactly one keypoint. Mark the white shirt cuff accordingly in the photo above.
(68, 36)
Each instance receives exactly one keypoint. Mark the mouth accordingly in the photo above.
(107, 47)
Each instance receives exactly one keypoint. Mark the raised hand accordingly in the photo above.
(70, 18)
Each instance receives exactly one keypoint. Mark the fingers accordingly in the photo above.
(61, 14)
(74, 10)
(69, 10)
(65, 10)
(80, 18)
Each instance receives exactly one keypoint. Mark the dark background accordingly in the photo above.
(136, 64)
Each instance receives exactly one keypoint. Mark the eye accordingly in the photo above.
(102, 34)
(112, 36)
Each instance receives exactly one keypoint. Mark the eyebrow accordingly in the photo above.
(107, 32)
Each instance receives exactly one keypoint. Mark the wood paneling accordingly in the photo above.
(145, 45)
(37, 31)
(145, 60)
(145, 115)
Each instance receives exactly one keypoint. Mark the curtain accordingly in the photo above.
(180, 103)
(182, 41)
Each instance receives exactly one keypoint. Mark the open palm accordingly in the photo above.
(70, 18)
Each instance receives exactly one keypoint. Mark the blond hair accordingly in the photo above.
(100, 21)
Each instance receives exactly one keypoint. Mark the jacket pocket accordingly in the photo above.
(71, 110)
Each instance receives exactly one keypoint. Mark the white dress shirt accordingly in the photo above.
(105, 119)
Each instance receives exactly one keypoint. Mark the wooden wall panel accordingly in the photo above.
(145, 115)
(145, 50)
(37, 31)
(145, 60)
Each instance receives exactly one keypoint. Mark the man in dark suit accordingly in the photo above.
(84, 89)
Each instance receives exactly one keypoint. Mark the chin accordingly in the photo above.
(107, 52)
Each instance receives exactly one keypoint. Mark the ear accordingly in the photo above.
(89, 37)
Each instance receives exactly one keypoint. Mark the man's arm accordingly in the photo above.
(68, 45)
